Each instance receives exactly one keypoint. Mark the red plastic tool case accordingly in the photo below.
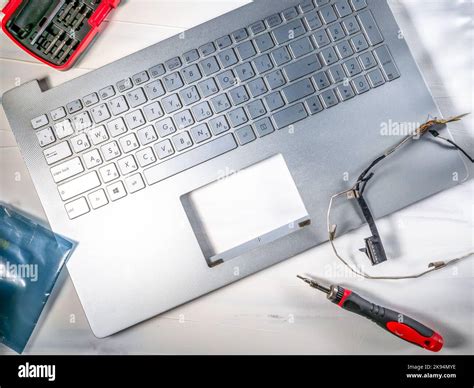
(68, 26)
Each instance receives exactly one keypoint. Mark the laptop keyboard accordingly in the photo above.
(223, 95)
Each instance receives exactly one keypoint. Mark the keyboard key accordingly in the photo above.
(92, 159)
(256, 109)
(224, 42)
(275, 79)
(109, 173)
(237, 117)
(274, 101)
(273, 21)
(146, 157)
(245, 135)
(173, 82)
(329, 56)
(289, 31)
(302, 67)
(321, 80)
(344, 50)
(226, 80)
(370, 27)
(183, 119)
(107, 92)
(321, 38)
(358, 4)
(240, 35)
(79, 186)
(173, 63)
(351, 25)
(227, 58)
(219, 125)
(74, 106)
(67, 170)
(208, 87)
(140, 78)
(298, 91)
(157, 71)
(98, 199)
(207, 49)
(129, 143)
(80, 143)
(82, 121)
(352, 67)
(376, 78)
(257, 87)
(118, 105)
(77, 208)
(264, 42)
(244, 72)
(202, 111)
(264, 127)
(327, 14)
(239, 95)
(246, 50)
(312, 20)
(58, 152)
(190, 159)
(200, 133)
(301, 47)
(320, 3)
(100, 113)
(63, 129)
(58, 114)
(337, 74)
(386, 61)
(124, 85)
(110, 151)
(359, 42)
(329, 98)
(220, 103)
(360, 85)
(336, 32)
(342, 8)
(40, 121)
(367, 60)
(281, 56)
(98, 135)
(154, 90)
(116, 127)
(314, 105)
(345, 92)
(209, 66)
(171, 103)
(127, 165)
(263, 64)
(116, 191)
(163, 149)
(91, 99)
(191, 74)
(45, 137)
(147, 135)
(191, 56)
(257, 28)
(134, 183)
(153, 111)
(290, 14)
(136, 97)
(289, 116)
(306, 6)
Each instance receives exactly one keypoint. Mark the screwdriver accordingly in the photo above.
(397, 324)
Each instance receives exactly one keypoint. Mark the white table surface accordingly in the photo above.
(272, 312)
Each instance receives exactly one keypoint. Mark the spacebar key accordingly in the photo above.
(190, 159)
(289, 116)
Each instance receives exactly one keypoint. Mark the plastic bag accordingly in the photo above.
(31, 258)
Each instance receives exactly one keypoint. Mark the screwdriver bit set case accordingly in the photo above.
(55, 32)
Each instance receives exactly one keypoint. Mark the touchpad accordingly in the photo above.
(245, 210)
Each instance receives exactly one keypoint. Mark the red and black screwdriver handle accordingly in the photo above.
(398, 324)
